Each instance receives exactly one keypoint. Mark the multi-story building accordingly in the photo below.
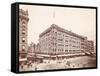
(90, 46)
(38, 48)
(23, 24)
(31, 52)
(31, 49)
(56, 40)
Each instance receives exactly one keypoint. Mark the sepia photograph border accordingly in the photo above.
(15, 36)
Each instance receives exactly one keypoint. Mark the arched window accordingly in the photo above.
(23, 25)
(23, 47)
(23, 32)
(23, 39)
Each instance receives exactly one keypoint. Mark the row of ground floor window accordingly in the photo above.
(61, 51)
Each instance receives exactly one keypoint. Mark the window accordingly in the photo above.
(56, 33)
(66, 40)
(70, 50)
(53, 38)
(23, 29)
(66, 50)
(54, 49)
(23, 32)
(23, 47)
(60, 45)
(23, 39)
(66, 45)
(66, 36)
(60, 39)
(73, 46)
(59, 33)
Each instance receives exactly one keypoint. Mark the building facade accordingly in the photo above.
(56, 40)
(31, 52)
(31, 49)
(38, 48)
(90, 46)
(23, 24)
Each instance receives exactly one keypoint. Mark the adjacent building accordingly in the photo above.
(38, 51)
(23, 24)
(31, 52)
(90, 46)
(31, 48)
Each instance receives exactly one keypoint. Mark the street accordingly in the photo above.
(77, 62)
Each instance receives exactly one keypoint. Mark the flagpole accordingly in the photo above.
(53, 16)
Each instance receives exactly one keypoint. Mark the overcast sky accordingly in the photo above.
(78, 20)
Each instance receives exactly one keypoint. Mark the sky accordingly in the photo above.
(78, 20)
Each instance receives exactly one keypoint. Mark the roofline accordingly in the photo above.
(60, 29)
